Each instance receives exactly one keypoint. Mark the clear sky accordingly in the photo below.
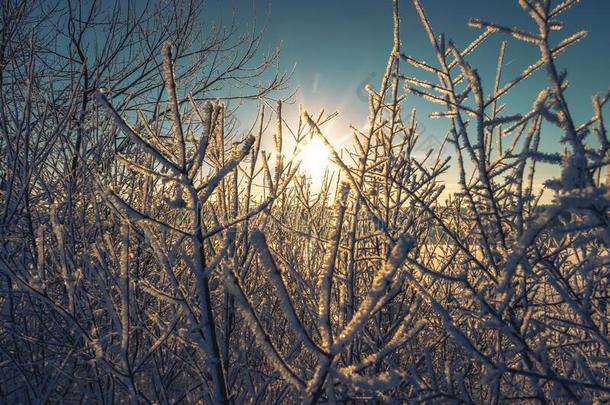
(338, 46)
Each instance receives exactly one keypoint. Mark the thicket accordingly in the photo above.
(152, 253)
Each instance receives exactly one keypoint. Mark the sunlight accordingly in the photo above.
(199, 208)
(314, 157)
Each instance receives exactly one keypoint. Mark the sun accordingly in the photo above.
(314, 157)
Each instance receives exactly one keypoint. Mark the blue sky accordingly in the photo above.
(338, 46)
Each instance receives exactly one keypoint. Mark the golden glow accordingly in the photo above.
(314, 157)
